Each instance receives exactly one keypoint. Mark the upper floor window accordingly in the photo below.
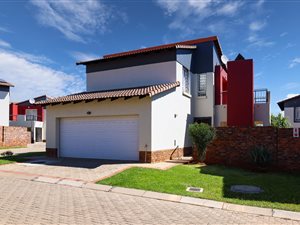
(186, 80)
(297, 114)
(202, 85)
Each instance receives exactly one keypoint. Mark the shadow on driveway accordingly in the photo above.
(78, 162)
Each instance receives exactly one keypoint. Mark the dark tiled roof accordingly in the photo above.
(281, 103)
(184, 44)
(4, 83)
(129, 92)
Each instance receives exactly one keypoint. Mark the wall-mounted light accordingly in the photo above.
(175, 115)
(88, 112)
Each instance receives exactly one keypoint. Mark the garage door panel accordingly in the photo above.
(103, 138)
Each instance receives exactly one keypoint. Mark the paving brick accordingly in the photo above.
(71, 183)
(128, 191)
(202, 202)
(162, 196)
(98, 187)
(286, 214)
(248, 209)
(47, 180)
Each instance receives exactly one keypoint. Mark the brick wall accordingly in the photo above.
(163, 155)
(14, 136)
(233, 145)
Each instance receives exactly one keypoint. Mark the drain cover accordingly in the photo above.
(248, 189)
(194, 189)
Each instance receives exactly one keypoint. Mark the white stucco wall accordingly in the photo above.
(289, 114)
(220, 115)
(134, 76)
(119, 107)
(171, 115)
(203, 106)
(262, 113)
(4, 108)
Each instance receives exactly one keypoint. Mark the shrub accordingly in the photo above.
(7, 153)
(279, 121)
(260, 156)
(202, 134)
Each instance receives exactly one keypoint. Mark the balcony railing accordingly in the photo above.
(261, 96)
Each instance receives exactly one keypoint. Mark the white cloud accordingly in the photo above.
(230, 8)
(74, 19)
(257, 25)
(294, 62)
(3, 29)
(283, 34)
(193, 15)
(82, 56)
(291, 95)
(32, 79)
(256, 41)
(4, 44)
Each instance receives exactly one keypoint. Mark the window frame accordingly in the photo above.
(296, 120)
(184, 72)
(199, 86)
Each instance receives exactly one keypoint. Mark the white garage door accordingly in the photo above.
(99, 137)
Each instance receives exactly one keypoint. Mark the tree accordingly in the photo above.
(279, 121)
(202, 134)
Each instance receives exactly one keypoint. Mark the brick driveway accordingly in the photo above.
(87, 170)
(27, 202)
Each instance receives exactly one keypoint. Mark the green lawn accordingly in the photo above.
(281, 190)
(19, 157)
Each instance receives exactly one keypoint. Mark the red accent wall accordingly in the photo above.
(16, 110)
(220, 86)
(240, 102)
(13, 111)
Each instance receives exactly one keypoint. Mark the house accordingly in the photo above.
(4, 102)
(291, 108)
(28, 114)
(138, 104)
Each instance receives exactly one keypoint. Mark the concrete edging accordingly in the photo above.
(283, 214)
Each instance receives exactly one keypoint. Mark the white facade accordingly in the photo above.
(135, 76)
(203, 106)
(134, 107)
(170, 116)
(162, 121)
(289, 114)
(4, 108)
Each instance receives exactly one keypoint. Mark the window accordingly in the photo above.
(186, 81)
(202, 83)
(297, 114)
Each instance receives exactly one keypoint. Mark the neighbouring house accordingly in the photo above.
(4, 102)
(28, 114)
(291, 108)
(138, 104)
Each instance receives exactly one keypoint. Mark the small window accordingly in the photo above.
(186, 81)
(202, 84)
(297, 114)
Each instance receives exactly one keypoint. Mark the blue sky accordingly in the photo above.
(40, 41)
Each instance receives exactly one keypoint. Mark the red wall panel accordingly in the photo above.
(240, 101)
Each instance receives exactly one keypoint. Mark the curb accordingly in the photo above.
(277, 213)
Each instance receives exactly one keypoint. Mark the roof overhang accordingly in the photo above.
(191, 44)
(281, 103)
(127, 93)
